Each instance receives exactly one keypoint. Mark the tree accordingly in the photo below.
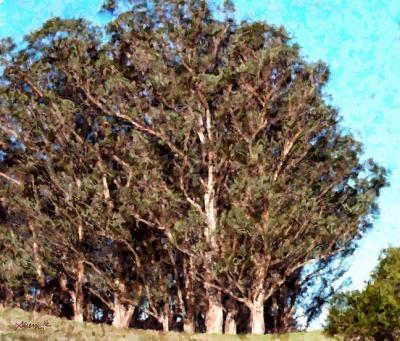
(374, 312)
(212, 137)
(71, 197)
(251, 135)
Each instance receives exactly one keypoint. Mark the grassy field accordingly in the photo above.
(61, 329)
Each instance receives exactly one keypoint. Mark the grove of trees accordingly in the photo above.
(177, 171)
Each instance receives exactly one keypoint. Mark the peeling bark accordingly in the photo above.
(257, 323)
(122, 315)
(215, 315)
(122, 312)
(77, 294)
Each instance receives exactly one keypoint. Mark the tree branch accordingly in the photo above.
(10, 179)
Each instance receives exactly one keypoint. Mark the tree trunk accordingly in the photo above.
(77, 295)
(214, 315)
(187, 304)
(257, 323)
(188, 325)
(6, 296)
(230, 323)
(78, 311)
(122, 312)
(87, 312)
(165, 323)
(164, 318)
(286, 310)
(36, 258)
(122, 315)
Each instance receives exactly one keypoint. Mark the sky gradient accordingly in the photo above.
(360, 42)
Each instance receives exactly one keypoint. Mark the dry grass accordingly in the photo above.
(61, 329)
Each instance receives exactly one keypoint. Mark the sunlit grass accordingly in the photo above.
(62, 329)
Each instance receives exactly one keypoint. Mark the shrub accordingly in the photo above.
(373, 313)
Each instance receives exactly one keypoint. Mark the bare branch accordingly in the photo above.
(10, 179)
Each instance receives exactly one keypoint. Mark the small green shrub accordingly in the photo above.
(374, 313)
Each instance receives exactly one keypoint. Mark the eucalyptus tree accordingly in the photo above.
(67, 183)
(270, 181)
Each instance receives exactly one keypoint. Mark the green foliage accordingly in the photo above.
(373, 313)
(177, 139)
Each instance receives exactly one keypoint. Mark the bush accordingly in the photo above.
(374, 313)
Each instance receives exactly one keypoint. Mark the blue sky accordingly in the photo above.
(359, 40)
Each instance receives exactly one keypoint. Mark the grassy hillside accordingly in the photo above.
(61, 329)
